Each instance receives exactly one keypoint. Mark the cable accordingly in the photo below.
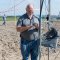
(13, 7)
(46, 8)
(57, 55)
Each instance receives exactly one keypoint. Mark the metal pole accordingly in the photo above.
(48, 53)
(49, 13)
(49, 1)
(49, 7)
(41, 5)
(14, 11)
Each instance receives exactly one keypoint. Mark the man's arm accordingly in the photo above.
(23, 28)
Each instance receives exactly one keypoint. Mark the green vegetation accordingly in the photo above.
(0, 18)
(9, 18)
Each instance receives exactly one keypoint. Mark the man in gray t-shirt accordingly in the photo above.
(28, 26)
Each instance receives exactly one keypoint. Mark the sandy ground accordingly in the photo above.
(9, 42)
(10, 47)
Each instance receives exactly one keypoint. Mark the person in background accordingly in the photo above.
(4, 19)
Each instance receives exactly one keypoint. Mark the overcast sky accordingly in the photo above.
(7, 6)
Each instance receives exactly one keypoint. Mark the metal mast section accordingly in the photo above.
(48, 19)
(14, 12)
(49, 10)
(41, 5)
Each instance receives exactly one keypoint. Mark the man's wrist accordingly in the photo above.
(29, 26)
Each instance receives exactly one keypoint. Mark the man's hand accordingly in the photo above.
(36, 25)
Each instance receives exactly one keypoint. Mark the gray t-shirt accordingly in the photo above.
(31, 34)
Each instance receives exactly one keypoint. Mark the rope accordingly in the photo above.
(57, 55)
(12, 8)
